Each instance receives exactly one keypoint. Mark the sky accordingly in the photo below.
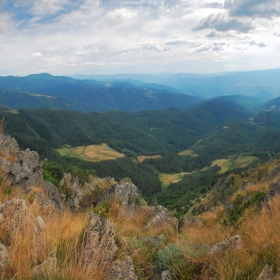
(67, 37)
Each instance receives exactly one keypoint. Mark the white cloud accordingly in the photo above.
(37, 54)
(155, 35)
(123, 13)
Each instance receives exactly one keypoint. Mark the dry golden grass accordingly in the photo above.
(166, 179)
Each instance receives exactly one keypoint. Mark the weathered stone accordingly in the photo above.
(273, 173)
(100, 243)
(159, 216)
(245, 184)
(122, 269)
(267, 274)
(275, 188)
(2, 218)
(125, 192)
(50, 197)
(233, 242)
(228, 208)
(41, 225)
(166, 275)
(155, 239)
(48, 267)
(4, 257)
(18, 222)
(8, 146)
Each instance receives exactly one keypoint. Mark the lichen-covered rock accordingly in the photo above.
(275, 188)
(267, 274)
(4, 257)
(159, 216)
(100, 243)
(233, 242)
(17, 222)
(49, 197)
(273, 173)
(47, 267)
(125, 192)
(78, 195)
(122, 269)
(166, 275)
(8, 146)
(16, 215)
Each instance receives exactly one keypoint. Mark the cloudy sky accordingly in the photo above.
(64, 37)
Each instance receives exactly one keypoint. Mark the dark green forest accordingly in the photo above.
(216, 129)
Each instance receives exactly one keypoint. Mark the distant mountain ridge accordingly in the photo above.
(87, 95)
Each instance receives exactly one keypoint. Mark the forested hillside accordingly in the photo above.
(205, 142)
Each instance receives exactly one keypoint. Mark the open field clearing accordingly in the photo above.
(227, 164)
(91, 152)
(190, 153)
(166, 179)
(142, 158)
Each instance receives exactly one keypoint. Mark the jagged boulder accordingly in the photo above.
(267, 274)
(49, 197)
(79, 195)
(166, 275)
(8, 146)
(125, 192)
(4, 257)
(234, 242)
(273, 173)
(159, 216)
(122, 269)
(275, 188)
(100, 245)
(17, 220)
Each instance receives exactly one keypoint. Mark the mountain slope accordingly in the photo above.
(90, 94)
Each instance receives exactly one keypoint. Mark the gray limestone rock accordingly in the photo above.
(267, 274)
(166, 275)
(100, 246)
(273, 173)
(159, 216)
(47, 267)
(8, 146)
(122, 269)
(125, 192)
(233, 242)
(4, 257)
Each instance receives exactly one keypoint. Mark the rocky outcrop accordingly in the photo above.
(166, 275)
(100, 243)
(159, 216)
(273, 173)
(78, 195)
(22, 169)
(233, 242)
(122, 269)
(49, 197)
(4, 257)
(267, 274)
(124, 192)
(17, 220)
(275, 188)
